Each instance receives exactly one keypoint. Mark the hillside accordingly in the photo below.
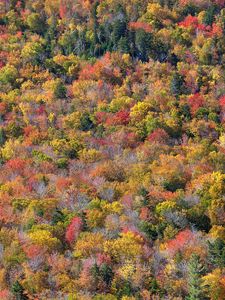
(112, 149)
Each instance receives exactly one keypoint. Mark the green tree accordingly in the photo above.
(33, 52)
(95, 21)
(85, 122)
(209, 15)
(18, 291)
(59, 89)
(217, 253)
(8, 74)
(143, 41)
(2, 136)
(106, 273)
(177, 84)
(35, 23)
(195, 271)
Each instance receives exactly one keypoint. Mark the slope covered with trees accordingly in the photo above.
(112, 149)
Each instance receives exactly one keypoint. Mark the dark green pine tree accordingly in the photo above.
(120, 31)
(95, 21)
(59, 89)
(95, 47)
(2, 135)
(195, 272)
(106, 273)
(95, 273)
(209, 15)
(143, 43)
(177, 84)
(18, 291)
(217, 253)
(86, 123)
(123, 45)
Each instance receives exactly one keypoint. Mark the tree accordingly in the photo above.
(74, 229)
(33, 52)
(209, 15)
(52, 7)
(217, 253)
(195, 272)
(86, 122)
(95, 21)
(59, 89)
(35, 23)
(169, 172)
(18, 291)
(8, 74)
(143, 42)
(177, 87)
(44, 238)
(128, 245)
(213, 284)
(182, 240)
(89, 244)
(196, 101)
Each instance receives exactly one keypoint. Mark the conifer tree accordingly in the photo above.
(195, 271)
(18, 291)
(217, 253)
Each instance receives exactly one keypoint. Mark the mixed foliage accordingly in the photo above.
(112, 136)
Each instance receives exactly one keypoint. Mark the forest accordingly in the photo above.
(112, 150)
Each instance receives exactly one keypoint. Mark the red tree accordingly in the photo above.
(159, 135)
(74, 229)
(196, 101)
(178, 243)
(222, 102)
(140, 25)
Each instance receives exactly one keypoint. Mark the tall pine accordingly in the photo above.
(195, 272)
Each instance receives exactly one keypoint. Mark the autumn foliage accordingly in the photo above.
(112, 149)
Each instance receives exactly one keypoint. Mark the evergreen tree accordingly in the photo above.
(95, 273)
(2, 136)
(85, 122)
(96, 47)
(18, 291)
(210, 13)
(143, 42)
(123, 45)
(95, 21)
(119, 31)
(195, 271)
(59, 89)
(106, 273)
(217, 253)
(177, 84)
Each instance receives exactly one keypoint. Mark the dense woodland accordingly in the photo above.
(112, 149)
